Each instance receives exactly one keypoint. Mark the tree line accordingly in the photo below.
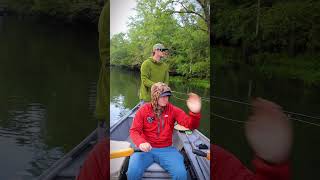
(87, 11)
(181, 25)
(268, 25)
(278, 36)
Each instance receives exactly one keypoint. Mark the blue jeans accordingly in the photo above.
(168, 158)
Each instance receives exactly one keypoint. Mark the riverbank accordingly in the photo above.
(302, 67)
(177, 78)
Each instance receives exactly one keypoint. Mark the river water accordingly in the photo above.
(48, 76)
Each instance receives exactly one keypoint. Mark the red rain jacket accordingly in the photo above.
(146, 127)
(225, 166)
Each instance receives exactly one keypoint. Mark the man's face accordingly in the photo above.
(160, 53)
(163, 101)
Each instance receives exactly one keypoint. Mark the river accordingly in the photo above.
(48, 76)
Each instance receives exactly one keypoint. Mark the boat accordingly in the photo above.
(67, 168)
(69, 165)
(198, 167)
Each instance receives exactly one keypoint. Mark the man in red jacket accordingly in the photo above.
(152, 130)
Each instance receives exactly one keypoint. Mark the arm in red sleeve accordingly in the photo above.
(97, 164)
(136, 128)
(191, 122)
(225, 166)
(266, 171)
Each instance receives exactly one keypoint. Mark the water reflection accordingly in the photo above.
(48, 78)
(124, 87)
(22, 138)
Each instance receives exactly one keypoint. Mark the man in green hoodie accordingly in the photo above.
(102, 110)
(153, 70)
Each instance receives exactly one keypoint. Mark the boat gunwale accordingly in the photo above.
(54, 169)
(124, 118)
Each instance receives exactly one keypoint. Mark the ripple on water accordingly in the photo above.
(23, 129)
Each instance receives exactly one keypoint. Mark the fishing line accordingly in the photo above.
(222, 117)
(299, 120)
(237, 121)
(202, 98)
(247, 104)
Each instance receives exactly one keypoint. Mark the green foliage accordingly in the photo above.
(195, 82)
(69, 10)
(21, 6)
(283, 39)
(185, 34)
(303, 67)
(282, 26)
(291, 27)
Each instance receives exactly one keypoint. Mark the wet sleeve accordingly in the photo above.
(145, 75)
(136, 129)
(190, 121)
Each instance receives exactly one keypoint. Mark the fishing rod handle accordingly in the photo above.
(201, 153)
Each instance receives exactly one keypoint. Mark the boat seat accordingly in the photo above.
(116, 164)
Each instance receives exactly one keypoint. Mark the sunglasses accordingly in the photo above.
(163, 50)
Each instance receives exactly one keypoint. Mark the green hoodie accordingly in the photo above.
(152, 72)
(102, 100)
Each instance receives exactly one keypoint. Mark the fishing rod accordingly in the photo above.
(247, 104)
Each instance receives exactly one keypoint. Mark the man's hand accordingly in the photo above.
(194, 103)
(145, 147)
(269, 132)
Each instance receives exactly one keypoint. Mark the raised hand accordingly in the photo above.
(269, 132)
(145, 147)
(194, 103)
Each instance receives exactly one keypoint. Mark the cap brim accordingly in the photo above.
(168, 93)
